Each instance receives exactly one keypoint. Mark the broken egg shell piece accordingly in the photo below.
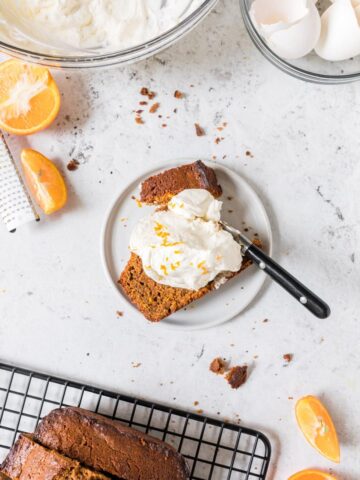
(272, 16)
(340, 32)
(299, 39)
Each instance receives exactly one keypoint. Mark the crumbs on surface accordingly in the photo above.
(218, 366)
(73, 165)
(119, 314)
(237, 376)
(139, 120)
(147, 93)
(249, 154)
(200, 132)
(154, 107)
(288, 357)
(178, 94)
(136, 364)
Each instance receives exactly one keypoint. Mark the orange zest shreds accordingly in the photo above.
(312, 475)
(29, 97)
(44, 181)
(138, 203)
(318, 428)
(164, 269)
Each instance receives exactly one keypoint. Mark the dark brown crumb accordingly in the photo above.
(133, 197)
(230, 198)
(200, 132)
(178, 94)
(175, 110)
(288, 357)
(230, 211)
(217, 140)
(249, 154)
(147, 93)
(139, 120)
(139, 111)
(154, 107)
(237, 376)
(143, 102)
(218, 366)
(164, 125)
(200, 411)
(73, 165)
(265, 320)
(119, 314)
(196, 403)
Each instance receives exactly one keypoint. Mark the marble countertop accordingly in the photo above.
(58, 313)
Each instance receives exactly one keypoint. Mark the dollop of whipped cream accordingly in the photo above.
(109, 24)
(184, 246)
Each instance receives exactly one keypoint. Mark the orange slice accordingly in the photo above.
(29, 97)
(44, 180)
(317, 426)
(312, 475)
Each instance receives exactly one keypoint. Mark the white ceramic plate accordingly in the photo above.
(242, 208)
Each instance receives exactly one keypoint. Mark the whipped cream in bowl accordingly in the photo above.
(184, 246)
(97, 28)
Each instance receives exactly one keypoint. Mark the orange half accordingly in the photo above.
(44, 181)
(316, 424)
(312, 475)
(29, 97)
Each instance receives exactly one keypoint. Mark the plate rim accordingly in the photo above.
(105, 228)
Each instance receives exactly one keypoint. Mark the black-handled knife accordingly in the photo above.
(305, 296)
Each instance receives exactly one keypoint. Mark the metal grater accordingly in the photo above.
(16, 206)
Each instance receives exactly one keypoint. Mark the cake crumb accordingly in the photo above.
(288, 357)
(218, 366)
(136, 365)
(147, 93)
(200, 411)
(249, 154)
(266, 320)
(154, 108)
(178, 94)
(237, 376)
(200, 132)
(139, 120)
(73, 165)
(196, 403)
(119, 314)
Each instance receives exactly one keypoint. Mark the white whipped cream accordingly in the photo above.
(111, 24)
(184, 246)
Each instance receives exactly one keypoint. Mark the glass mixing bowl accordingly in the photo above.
(120, 57)
(311, 68)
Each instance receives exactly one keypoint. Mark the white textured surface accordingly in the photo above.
(58, 313)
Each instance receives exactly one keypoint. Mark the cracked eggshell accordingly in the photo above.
(272, 16)
(340, 32)
(290, 27)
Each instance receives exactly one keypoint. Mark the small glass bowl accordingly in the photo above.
(311, 68)
(120, 57)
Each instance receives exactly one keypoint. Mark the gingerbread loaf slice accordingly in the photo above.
(158, 189)
(109, 446)
(156, 301)
(27, 460)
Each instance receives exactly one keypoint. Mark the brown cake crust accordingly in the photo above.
(27, 460)
(158, 189)
(154, 300)
(108, 446)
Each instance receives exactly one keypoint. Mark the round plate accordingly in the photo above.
(242, 209)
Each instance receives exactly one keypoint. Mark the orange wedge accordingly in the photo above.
(44, 181)
(312, 475)
(317, 426)
(29, 97)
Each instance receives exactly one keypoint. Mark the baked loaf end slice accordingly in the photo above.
(108, 446)
(158, 189)
(156, 301)
(27, 460)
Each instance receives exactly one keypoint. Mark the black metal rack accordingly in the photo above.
(214, 450)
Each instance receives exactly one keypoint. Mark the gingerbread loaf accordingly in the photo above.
(27, 460)
(110, 447)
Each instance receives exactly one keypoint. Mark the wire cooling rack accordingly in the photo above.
(214, 450)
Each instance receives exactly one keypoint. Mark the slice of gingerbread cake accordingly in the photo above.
(180, 253)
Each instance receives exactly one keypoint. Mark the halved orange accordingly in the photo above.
(312, 475)
(29, 97)
(316, 424)
(44, 180)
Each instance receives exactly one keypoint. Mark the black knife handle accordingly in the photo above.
(305, 296)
